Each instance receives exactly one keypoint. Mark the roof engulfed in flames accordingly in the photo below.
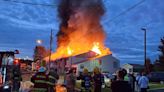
(80, 28)
(96, 48)
(68, 51)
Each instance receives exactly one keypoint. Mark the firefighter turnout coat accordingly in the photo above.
(40, 81)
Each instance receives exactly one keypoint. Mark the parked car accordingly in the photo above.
(156, 76)
(107, 81)
(108, 78)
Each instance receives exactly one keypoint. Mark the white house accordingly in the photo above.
(107, 63)
(131, 68)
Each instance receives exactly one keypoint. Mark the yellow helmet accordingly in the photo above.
(85, 71)
(96, 70)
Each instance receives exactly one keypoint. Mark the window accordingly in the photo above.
(130, 70)
(115, 64)
(81, 66)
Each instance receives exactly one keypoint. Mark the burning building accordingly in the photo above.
(80, 30)
(107, 63)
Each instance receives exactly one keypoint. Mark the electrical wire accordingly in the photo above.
(29, 3)
(55, 5)
(122, 13)
(127, 10)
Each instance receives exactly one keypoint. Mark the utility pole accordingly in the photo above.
(51, 39)
(144, 29)
(71, 63)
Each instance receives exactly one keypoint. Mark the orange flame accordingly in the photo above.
(80, 29)
(69, 51)
(74, 50)
(96, 48)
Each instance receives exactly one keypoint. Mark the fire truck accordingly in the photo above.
(7, 64)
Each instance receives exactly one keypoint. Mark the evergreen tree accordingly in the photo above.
(40, 52)
(148, 66)
(159, 63)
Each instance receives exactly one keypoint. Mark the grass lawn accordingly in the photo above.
(155, 86)
(106, 90)
(151, 85)
(78, 85)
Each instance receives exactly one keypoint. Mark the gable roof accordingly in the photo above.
(77, 59)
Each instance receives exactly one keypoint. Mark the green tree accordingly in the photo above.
(159, 63)
(148, 66)
(40, 52)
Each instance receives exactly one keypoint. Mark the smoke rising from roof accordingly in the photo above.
(80, 22)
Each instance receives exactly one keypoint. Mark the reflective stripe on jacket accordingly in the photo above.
(53, 77)
(40, 81)
(52, 80)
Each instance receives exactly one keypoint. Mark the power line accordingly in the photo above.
(127, 10)
(122, 13)
(55, 5)
(29, 3)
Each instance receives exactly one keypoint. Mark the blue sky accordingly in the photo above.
(21, 25)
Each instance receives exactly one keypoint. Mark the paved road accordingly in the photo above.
(158, 90)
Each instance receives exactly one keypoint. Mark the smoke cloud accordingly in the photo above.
(80, 24)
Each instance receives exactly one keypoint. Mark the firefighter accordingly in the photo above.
(70, 81)
(40, 80)
(53, 77)
(16, 79)
(85, 81)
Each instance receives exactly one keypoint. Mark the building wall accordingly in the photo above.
(128, 68)
(90, 65)
(106, 64)
(109, 64)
